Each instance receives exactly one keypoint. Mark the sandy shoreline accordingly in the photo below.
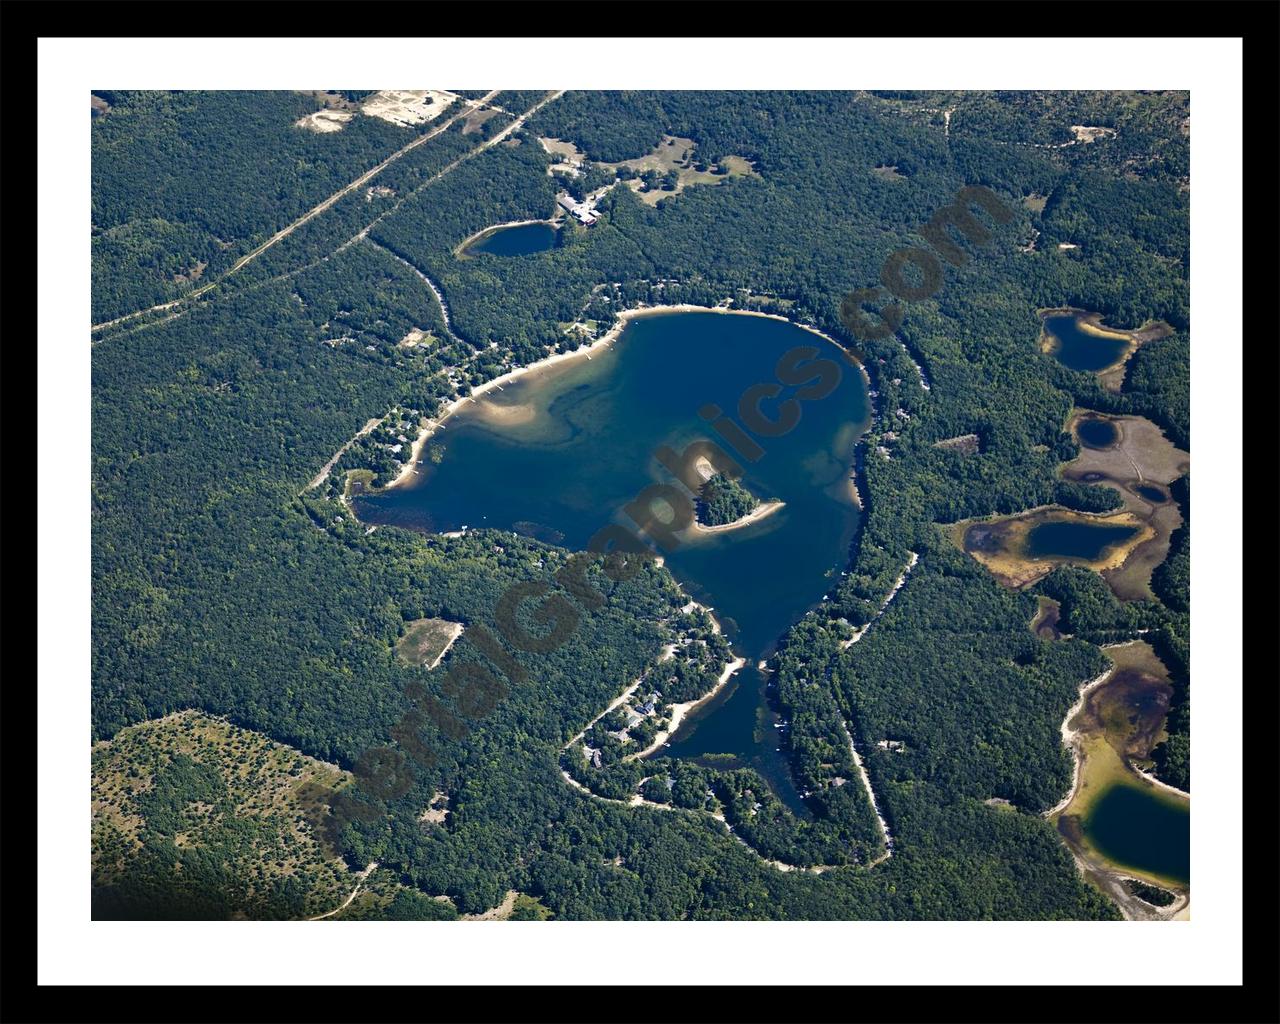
(761, 511)
(667, 653)
(680, 711)
(1161, 784)
(432, 425)
(624, 318)
(1071, 737)
(461, 247)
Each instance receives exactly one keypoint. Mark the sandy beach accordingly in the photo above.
(432, 425)
(680, 711)
(584, 351)
(761, 511)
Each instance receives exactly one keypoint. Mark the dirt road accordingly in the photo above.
(469, 106)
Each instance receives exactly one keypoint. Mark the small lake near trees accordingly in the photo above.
(1080, 345)
(517, 240)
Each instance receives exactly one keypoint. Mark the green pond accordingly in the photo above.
(1087, 541)
(1142, 829)
(1079, 350)
(518, 240)
(559, 452)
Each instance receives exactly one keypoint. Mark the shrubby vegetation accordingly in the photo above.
(221, 583)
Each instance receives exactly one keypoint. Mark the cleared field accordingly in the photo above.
(477, 118)
(408, 106)
(425, 641)
(964, 444)
(678, 155)
(889, 172)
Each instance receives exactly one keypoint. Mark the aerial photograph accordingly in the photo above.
(640, 505)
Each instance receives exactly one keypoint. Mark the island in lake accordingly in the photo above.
(528, 504)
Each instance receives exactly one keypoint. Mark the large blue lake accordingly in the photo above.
(558, 453)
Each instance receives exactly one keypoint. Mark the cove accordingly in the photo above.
(559, 452)
(1079, 349)
(1074, 539)
(1143, 830)
(518, 240)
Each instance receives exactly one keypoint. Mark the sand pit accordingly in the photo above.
(324, 121)
(407, 107)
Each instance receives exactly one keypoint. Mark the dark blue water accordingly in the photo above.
(1075, 539)
(521, 240)
(1080, 350)
(1144, 830)
(565, 449)
(1096, 433)
(1152, 494)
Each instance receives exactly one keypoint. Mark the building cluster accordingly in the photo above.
(584, 213)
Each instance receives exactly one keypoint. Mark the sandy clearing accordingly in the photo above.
(454, 633)
(324, 121)
(413, 339)
(761, 511)
(407, 107)
(499, 913)
(434, 288)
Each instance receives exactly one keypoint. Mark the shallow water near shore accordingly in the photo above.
(1079, 349)
(561, 451)
(1142, 829)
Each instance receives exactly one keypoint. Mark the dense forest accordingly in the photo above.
(723, 500)
(222, 583)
